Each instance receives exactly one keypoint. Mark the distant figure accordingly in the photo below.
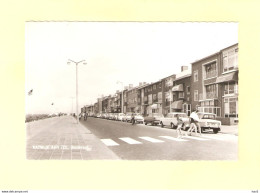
(180, 124)
(85, 116)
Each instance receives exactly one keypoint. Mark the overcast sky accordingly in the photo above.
(130, 52)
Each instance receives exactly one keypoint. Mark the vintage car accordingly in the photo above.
(138, 118)
(171, 119)
(153, 119)
(120, 116)
(128, 117)
(208, 121)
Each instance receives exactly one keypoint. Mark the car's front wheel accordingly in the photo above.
(215, 130)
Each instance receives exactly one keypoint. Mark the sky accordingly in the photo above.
(129, 52)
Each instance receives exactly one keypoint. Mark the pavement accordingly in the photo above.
(61, 138)
(229, 129)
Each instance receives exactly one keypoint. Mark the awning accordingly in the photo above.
(177, 104)
(154, 106)
(233, 76)
(178, 87)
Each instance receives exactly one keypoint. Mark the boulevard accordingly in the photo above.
(101, 139)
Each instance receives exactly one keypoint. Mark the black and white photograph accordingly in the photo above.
(131, 91)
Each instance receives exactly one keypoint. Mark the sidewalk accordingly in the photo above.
(61, 138)
(229, 129)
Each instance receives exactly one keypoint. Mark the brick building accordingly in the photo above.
(181, 96)
(167, 99)
(214, 84)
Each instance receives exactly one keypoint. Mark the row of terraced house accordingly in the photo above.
(211, 85)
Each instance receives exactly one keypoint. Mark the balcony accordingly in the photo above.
(208, 95)
(210, 74)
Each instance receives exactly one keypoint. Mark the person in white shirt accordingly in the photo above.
(194, 123)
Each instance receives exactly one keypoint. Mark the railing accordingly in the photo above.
(210, 74)
(208, 95)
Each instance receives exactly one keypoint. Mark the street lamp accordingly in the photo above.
(69, 62)
(122, 106)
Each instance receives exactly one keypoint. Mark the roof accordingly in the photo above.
(183, 74)
(214, 53)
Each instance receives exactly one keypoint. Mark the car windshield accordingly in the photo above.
(207, 116)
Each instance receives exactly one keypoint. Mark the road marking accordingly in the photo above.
(214, 137)
(129, 140)
(152, 139)
(196, 138)
(109, 142)
(173, 138)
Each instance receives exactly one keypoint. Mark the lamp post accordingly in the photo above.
(122, 106)
(69, 62)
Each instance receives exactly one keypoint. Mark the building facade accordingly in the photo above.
(181, 95)
(228, 84)
(167, 98)
(214, 84)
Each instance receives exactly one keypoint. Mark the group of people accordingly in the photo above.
(194, 125)
(84, 115)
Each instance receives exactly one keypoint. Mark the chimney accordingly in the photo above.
(183, 68)
(130, 86)
(140, 84)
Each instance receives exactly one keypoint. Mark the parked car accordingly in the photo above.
(124, 117)
(120, 116)
(153, 119)
(171, 119)
(110, 116)
(138, 118)
(128, 117)
(114, 117)
(208, 121)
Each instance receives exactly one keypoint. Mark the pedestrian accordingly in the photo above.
(180, 124)
(194, 123)
(85, 116)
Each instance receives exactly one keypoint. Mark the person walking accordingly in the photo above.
(180, 124)
(194, 123)
(85, 116)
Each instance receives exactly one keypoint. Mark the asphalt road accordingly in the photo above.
(141, 142)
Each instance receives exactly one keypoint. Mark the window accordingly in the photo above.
(181, 94)
(210, 70)
(145, 99)
(154, 97)
(230, 88)
(150, 97)
(159, 85)
(215, 110)
(154, 87)
(231, 107)
(230, 60)
(196, 78)
(188, 89)
(196, 95)
(211, 91)
(159, 97)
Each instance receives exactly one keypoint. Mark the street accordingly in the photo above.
(141, 142)
(100, 139)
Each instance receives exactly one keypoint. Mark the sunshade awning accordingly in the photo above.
(177, 104)
(233, 76)
(154, 106)
(178, 87)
